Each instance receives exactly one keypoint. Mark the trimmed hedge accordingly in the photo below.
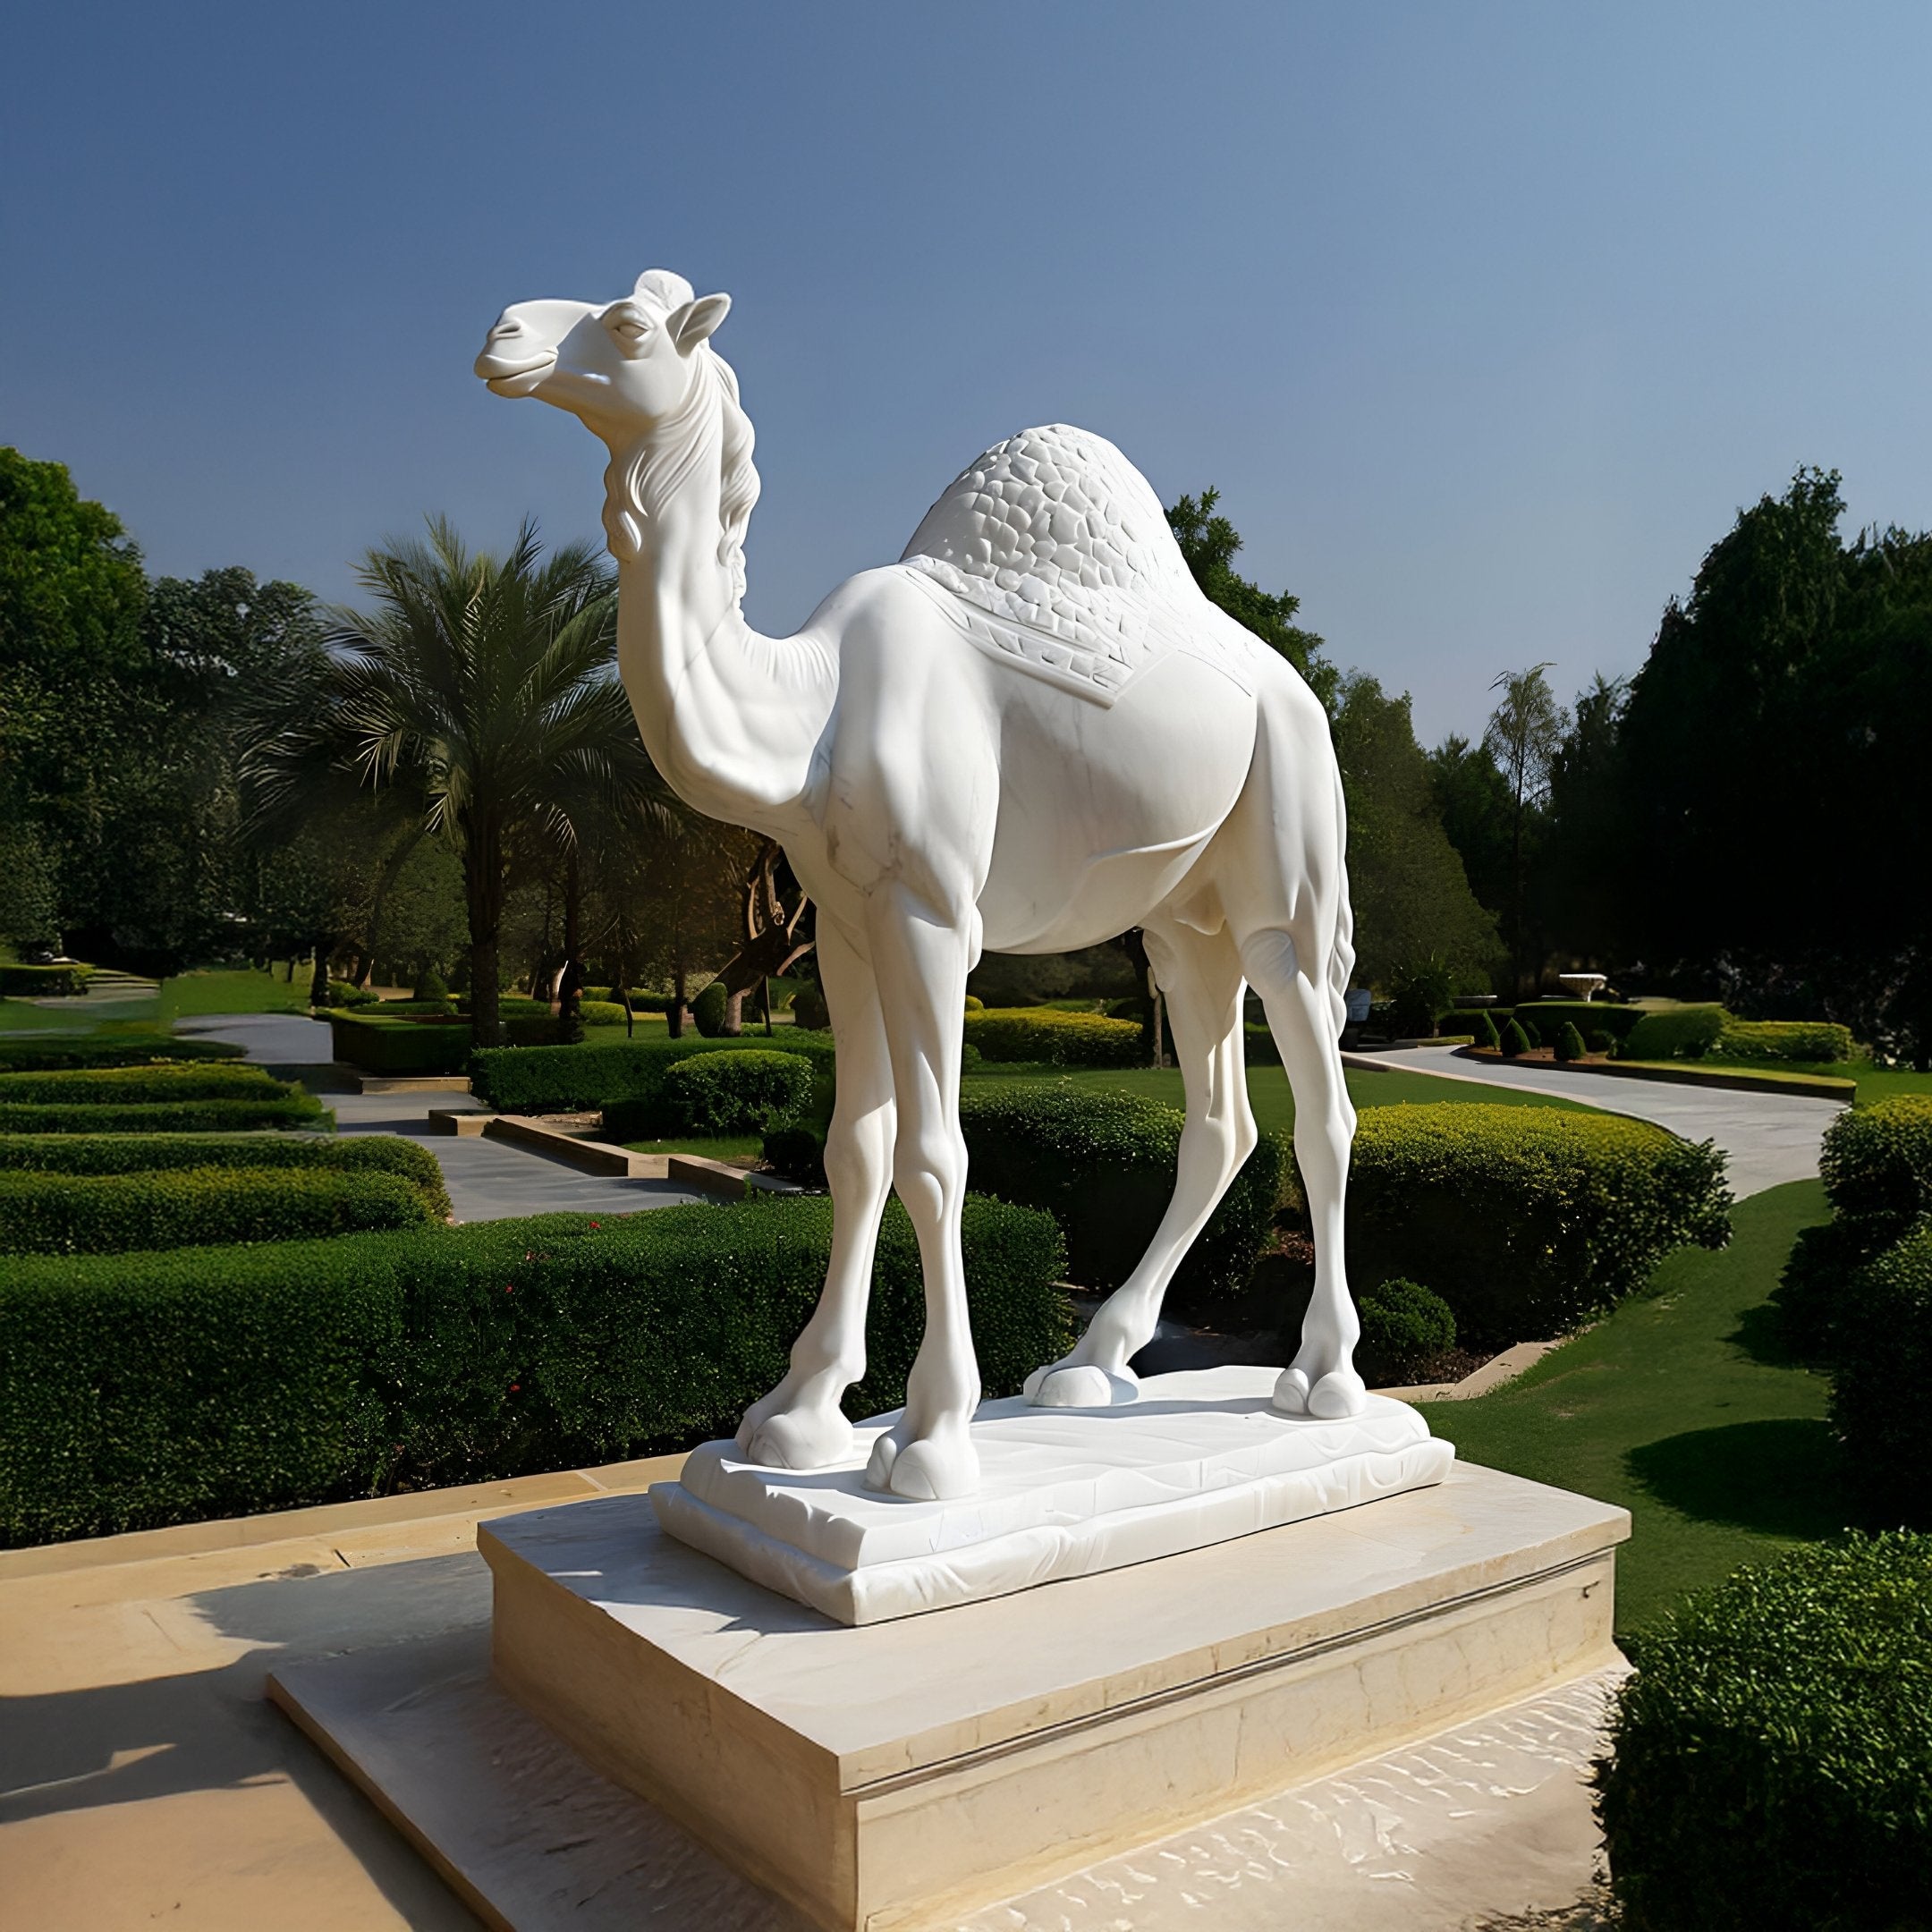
(1771, 1766)
(400, 1044)
(1526, 1220)
(1054, 1037)
(114, 1154)
(743, 1092)
(1877, 1159)
(197, 1207)
(39, 1055)
(44, 982)
(298, 1109)
(1570, 1042)
(129, 1086)
(1817, 1041)
(1876, 1163)
(153, 1388)
(563, 1080)
(1103, 1166)
(1881, 1353)
(1402, 1324)
(1679, 1033)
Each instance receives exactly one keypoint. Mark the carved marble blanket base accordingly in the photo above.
(1200, 1458)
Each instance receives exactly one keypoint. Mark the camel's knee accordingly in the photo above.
(857, 1155)
(929, 1169)
(1269, 962)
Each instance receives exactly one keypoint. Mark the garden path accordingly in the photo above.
(487, 1179)
(1768, 1138)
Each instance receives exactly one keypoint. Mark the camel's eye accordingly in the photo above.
(630, 327)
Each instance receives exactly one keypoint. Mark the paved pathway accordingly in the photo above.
(487, 1179)
(1768, 1139)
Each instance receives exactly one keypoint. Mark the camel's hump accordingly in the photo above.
(1061, 551)
(1050, 518)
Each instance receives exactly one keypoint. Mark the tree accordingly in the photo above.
(72, 665)
(1209, 543)
(1472, 799)
(1525, 731)
(485, 688)
(1411, 899)
(1579, 881)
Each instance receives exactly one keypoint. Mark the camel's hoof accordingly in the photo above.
(1080, 1386)
(931, 1471)
(796, 1439)
(1338, 1394)
(879, 1464)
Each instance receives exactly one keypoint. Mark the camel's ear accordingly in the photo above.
(694, 322)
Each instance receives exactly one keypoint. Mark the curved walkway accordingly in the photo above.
(1768, 1138)
(487, 1179)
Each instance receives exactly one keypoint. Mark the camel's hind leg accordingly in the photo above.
(1321, 1380)
(1200, 975)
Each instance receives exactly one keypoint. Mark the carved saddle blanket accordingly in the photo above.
(1051, 553)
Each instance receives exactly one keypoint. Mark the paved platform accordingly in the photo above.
(1768, 1138)
(145, 1780)
(487, 1179)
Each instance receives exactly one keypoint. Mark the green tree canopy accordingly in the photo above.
(1209, 543)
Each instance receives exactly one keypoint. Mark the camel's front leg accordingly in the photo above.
(800, 1425)
(921, 959)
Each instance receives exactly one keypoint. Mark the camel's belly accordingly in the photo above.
(1102, 811)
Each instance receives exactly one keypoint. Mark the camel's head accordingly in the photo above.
(623, 367)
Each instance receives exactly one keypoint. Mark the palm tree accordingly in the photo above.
(484, 688)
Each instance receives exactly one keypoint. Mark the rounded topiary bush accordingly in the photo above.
(1877, 1159)
(1515, 1039)
(798, 1153)
(1771, 1757)
(1880, 1345)
(743, 1092)
(1404, 1324)
(1680, 1033)
(1570, 1042)
(1484, 1027)
(708, 1010)
(1525, 1219)
(809, 1009)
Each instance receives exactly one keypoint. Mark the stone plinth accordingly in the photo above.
(1201, 1457)
(889, 1774)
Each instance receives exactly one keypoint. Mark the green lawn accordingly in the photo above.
(1874, 1084)
(1682, 1408)
(713, 1147)
(1267, 1089)
(233, 991)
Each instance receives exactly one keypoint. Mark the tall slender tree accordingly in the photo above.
(1526, 731)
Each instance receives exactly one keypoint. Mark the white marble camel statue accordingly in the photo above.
(1031, 733)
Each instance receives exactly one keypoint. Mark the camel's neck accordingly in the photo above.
(731, 718)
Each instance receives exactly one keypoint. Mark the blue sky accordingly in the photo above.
(1484, 319)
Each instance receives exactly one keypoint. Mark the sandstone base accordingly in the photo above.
(901, 1774)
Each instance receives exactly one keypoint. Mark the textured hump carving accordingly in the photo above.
(1062, 543)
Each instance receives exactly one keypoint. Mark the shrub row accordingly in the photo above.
(194, 1206)
(1771, 1766)
(1526, 1220)
(116, 1154)
(1103, 1166)
(552, 1080)
(1677, 1033)
(37, 1054)
(1047, 1034)
(1876, 1166)
(1815, 1040)
(748, 1091)
(154, 1388)
(44, 982)
(1880, 1342)
(401, 1044)
(297, 1109)
(124, 1085)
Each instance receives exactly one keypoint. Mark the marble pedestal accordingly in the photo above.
(894, 1775)
(1200, 1457)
